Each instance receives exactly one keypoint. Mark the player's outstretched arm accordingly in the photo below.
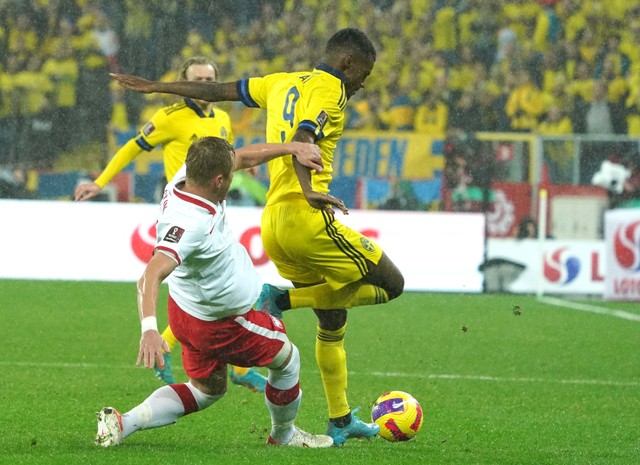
(209, 91)
(255, 154)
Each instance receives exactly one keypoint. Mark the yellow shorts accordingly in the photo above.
(308, 245)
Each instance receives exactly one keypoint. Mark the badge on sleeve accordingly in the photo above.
(174, 234)
(148, 128)
(322, 119)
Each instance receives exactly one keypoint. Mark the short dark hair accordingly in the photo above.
(207, 157)
(352, 40)
(195, 60)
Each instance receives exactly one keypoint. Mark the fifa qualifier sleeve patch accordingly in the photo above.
(148, 129)
(174, 235)
(322, 119)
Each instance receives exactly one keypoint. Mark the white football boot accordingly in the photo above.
(109, 427)
(303, 439)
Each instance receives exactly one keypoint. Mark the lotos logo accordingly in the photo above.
(143, 242)
(626, 246)
(561, 268)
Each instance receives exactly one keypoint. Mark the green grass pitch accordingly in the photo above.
(502, 379)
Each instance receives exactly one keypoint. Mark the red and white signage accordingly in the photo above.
(622, 246)
(113, 241)
(555, 266)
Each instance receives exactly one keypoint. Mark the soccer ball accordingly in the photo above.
(398, 414)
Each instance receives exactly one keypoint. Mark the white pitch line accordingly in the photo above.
(67, 365)
(435, 376)
(590, 308)
(595, 382)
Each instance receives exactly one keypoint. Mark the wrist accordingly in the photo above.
(148, 323)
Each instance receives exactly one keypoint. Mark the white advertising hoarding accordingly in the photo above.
(111, 242)
(558, 266)
(622, 248)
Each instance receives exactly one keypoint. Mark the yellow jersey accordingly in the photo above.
(174, 127)
(314, 101)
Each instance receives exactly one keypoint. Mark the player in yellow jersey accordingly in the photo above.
(175, 127)
(332, 266)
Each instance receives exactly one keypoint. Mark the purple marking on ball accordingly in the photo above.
(387, 406)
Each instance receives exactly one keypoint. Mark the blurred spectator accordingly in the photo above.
(507, 44)
(9, 112)
(402, 197)
(527, 228)
(633, 112)
(525, 103)
(107, 40)
(597, 117)
(22, 37)
(444, 30)
(485, 28)
(557, 95)
(93, 108)
(580, 88)
(547, 29)
(573, 19)
(620, 176)
(432, 115)
(36, 124)
(587, 46)
(521, 16)
(400, 113)
(558, 155)
(465, 114)
(363, 111)
(630, 45)
(196, 46)
(13, 183)
(62, 70)
(619, 61)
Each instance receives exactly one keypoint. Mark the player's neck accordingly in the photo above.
(202, 192)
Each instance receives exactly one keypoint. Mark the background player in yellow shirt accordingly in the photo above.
(332, 266)
(175, 127)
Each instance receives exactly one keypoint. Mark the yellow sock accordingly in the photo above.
(239, 370)
(168, 336)
(332, 361)
(324, 296)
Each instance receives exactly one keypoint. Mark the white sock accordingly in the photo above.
(283, 397)
(165, 406)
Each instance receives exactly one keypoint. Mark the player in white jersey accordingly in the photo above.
(212, 287)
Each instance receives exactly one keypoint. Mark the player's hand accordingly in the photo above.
(152, 346)
(325, 202)
(308, 155)
(87, 190)
(134, 82)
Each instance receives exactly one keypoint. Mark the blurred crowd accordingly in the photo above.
(552, 67)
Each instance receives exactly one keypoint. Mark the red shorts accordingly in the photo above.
(247, 340)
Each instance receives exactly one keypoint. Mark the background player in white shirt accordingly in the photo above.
(212, 286)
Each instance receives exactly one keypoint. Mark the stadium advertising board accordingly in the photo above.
(559, 266)
(622, 249)
(112, 241)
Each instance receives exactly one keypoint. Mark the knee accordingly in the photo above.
(396, 287)
(331, 320)
(215, 385)
(287, 375)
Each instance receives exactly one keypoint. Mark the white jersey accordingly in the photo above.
(215, 277)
